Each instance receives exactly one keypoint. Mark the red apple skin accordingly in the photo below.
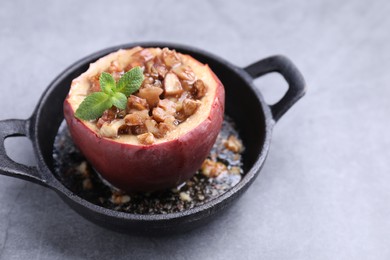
(139, 168)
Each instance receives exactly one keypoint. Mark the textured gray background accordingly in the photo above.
(324, 191)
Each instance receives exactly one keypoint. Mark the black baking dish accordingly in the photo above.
(244, 104)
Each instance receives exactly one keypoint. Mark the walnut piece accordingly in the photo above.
(160, 115)
(233, 144)
(111, 129)
(184, 72)
(137, 103)
(168, 106)
(147, 138)
(190, 106)
(170, 57)
(137, 118)
(151, 94)
(172, 85)
(212, 169)
(200, 89)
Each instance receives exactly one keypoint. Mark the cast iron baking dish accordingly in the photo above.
(244, 104)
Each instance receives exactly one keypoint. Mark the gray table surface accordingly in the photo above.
(324, 191)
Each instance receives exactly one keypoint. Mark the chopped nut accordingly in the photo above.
(185, 197)
(168, 95)
(137, 118)
(163, 129)
(171, 120)
(168, 106)
(139, 58)
(124, 129)
(172, 84)
(199, 89)
(107, 117)
(160, 115)
(159, 70)
(150, 70)
(111, 129)
(151, 94)
(151, 126)
(138, 129)
(170, 57)
(212, 169)
(145, 54)
(156, 68)
(190, 106)
(185, 73)
(146, 138)
(233, 144)
(134, 102)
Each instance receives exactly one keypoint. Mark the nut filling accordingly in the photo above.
(170, 93)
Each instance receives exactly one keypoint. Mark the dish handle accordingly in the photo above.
(8, 167)
(284, 66)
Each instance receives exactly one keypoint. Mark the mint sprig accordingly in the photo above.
(112, 93)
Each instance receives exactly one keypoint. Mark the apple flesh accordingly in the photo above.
(132, 166)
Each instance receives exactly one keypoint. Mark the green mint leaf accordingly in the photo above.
(131, 81)
(107, 83)
(119, 100)
(93, 106)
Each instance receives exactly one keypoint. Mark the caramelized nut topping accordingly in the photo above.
(190, 106)
(111, 129)
(151, 126)
(168, 106)
(172, 85)
(164, 128)
(146, 138)
(124, 130)
(184, 72)
(151, 94)
(212, 169)
(138, 129)
(233, 144)
(170, 57)
(134, 102)
(169, 94)
(199, 89)
(139, 58)
(160, 115)
(137, 118)
(156, 68)
(107, 117)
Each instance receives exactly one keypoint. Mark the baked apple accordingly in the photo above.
(161, 135)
